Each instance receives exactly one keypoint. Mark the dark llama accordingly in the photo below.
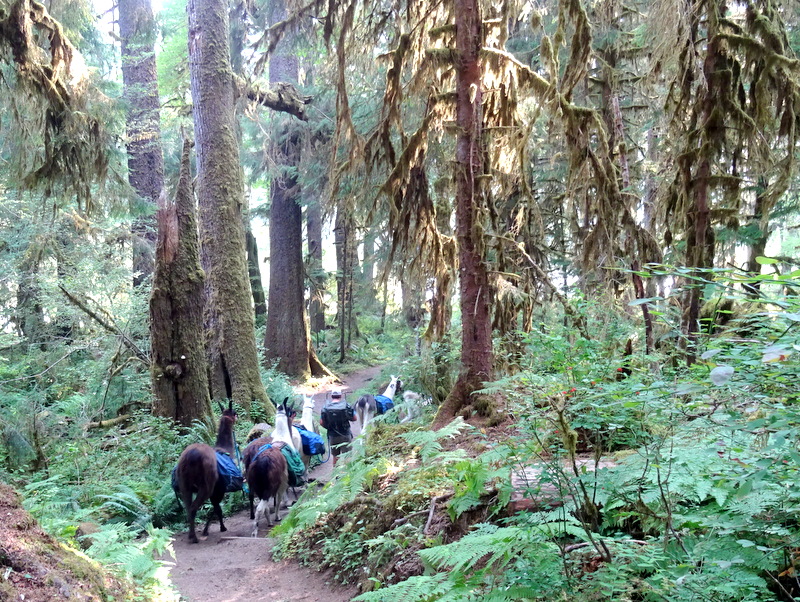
(198, 475)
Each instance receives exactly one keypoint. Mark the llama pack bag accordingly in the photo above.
(383, 404)
(313, 444)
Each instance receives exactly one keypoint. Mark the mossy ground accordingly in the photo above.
(36, 568)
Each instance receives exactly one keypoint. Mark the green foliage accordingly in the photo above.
(429, 442)
(130, 552)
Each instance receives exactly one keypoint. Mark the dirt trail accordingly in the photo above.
(234, 567)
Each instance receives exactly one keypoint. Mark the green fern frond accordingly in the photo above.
(429, 442)
(421, 588)
(124, 502)
(495, 545)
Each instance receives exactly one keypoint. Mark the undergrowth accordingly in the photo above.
(645, 480)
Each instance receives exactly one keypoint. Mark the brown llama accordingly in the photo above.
(267, 477)
(197, 474)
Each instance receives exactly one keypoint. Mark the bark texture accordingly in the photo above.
(145, 157)
(231, 346)
(343, 234)
(476, 337)
(178, 361)
(316, 273)
(287, 339)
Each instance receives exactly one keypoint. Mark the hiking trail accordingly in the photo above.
(234, 567)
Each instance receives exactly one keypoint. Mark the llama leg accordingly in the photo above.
(259, 510)
(191, 514)
(218, 509)
(276, 503)
(279, 498)
(208, 522)
(252, 515)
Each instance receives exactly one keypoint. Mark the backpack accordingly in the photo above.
(383, 404)
(229, 473)
(313, 443)
(336, 415)
(297, 470)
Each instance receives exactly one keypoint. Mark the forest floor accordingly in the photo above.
(234, 567)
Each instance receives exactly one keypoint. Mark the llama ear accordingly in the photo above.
(230, 404)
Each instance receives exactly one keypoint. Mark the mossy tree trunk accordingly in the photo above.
(179, 370)
(344, 279)
(316, 273)
(238, 16)
(231, 345)
(695, 171)
(145, 157)
(254, 272)
(368, 295)
(287, 339)
(476, 333)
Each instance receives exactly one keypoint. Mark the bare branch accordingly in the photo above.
(107, 324)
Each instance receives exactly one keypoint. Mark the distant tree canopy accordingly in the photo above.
(559, 152)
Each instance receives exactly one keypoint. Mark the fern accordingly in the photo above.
(121, 548)
(421, 588)
(429, 442)
(472, 479)
(125, 503)
(496, 546)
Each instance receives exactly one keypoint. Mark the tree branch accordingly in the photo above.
(282, 97)
(577, 320)
(108, 325)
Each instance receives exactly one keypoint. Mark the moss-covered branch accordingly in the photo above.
(283, 97)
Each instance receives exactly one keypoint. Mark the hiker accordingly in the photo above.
(336, 417)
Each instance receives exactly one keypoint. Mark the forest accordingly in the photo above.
(569, 226)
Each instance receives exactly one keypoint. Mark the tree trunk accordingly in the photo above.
(316, 273)
(179, 371)
(476, 334)
(413, 300)
(28, 313)
(145, 158)
(238, 39)
(287, 339)
(758, 247)
(231, 345)
(344, 281)
(254, 272)
(368, 294)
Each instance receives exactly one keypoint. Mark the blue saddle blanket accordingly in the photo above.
(383, 404)
(313, 444)
(231, 476)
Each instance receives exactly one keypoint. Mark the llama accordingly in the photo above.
(283, 427)
(307, 417)
(267, 477)
(367, 405)
(411, 407)
(197, 473)
(298, 465)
